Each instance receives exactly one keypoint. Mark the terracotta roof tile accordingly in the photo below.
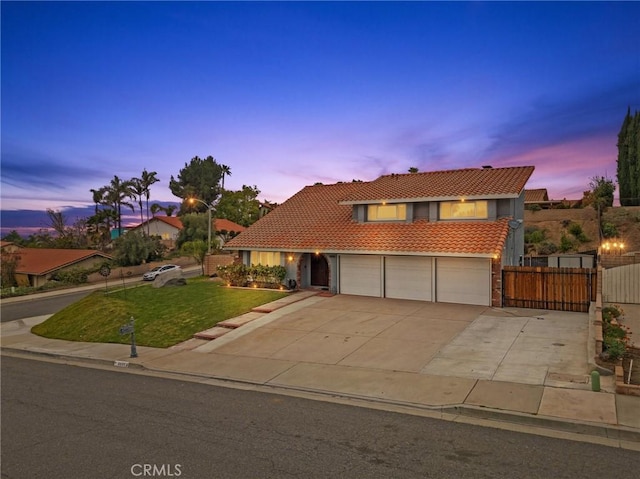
(225, 224)
(535, 196)
(315, 218)
(466, 183)
(41, 261)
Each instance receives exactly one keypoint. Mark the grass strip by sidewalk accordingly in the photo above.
(163, 316)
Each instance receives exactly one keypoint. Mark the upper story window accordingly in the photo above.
(265, 258)
(387, 212)
(463, 210)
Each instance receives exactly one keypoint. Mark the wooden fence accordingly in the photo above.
(563, 289)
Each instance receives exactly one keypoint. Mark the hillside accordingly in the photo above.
(555, 222)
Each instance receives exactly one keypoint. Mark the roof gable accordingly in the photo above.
(537, 195)
(441, 185)
(173, 221)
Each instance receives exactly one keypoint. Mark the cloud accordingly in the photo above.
(28, 221)
(27, 168)
(548, 122)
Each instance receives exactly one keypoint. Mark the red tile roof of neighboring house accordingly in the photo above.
(170, 220)
(228, 225)
(41, 261)
(219, 223)
(451, 184)
(317, 219)
(536, 196)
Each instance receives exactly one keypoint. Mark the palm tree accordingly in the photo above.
(226, 171)
(115, 194)
(137, 188)
(148, 178)
(98, 197)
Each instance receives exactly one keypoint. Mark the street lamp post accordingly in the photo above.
(209, 208)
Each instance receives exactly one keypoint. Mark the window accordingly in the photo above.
(460, 210)
(393, 212)
(265, 258)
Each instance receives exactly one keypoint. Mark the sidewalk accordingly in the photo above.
(278, 348)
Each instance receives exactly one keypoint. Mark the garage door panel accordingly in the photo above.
(360, 275)
(408, 277)
(463, 280)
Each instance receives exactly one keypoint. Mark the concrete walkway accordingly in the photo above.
(514, 365)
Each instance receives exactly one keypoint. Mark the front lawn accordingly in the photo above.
(163, 316)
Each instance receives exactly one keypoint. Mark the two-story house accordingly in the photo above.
(434, 236)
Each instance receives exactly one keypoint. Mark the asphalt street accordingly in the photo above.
(39, 306)
(61, 420)
(43, 304)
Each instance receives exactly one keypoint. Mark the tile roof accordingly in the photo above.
(462, 183)
(41, 261)
(225, 224)
(170, 220)
(317, 219)
(176, 222)
(535, 196)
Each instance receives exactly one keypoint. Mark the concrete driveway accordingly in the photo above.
(436, 339)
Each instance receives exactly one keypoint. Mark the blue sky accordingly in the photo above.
(288, 94)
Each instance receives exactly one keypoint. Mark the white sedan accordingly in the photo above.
(151, 275)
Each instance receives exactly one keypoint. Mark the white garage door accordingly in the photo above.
(408, 277)
(463, 280)
(361, 275)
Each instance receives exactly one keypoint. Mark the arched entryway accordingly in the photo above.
(319, 270)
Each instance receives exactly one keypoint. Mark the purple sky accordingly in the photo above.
(288, 94)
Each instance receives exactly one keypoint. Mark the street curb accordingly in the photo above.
(608, 431)
(65, 357)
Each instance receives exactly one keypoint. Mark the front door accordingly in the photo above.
(319, 270)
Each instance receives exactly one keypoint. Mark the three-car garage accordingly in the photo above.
(424, 278)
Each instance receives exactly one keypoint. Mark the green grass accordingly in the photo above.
(163, 316)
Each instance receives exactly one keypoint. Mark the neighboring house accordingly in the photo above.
(7, 247)
(168, 228)
(226, 229)
(36, 266)
(434, 236)
(540, 198)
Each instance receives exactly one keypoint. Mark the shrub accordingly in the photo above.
(534, 235)
(565, 244)
(259, 275)
(609, 230)
(71, 276)
(267, 276)
(233, 274)
(614, 347)
(534, 207)
(611, 312)
(576, 230)
(614, 331)
(132, 249)
(547, 248)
